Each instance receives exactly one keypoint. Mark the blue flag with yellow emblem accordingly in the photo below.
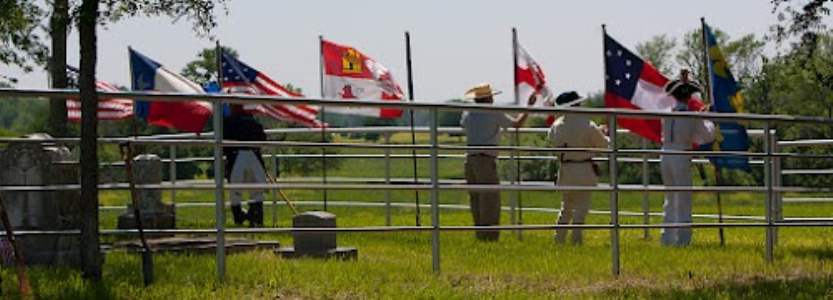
(726, 98)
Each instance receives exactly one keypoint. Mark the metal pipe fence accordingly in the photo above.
(770, 159)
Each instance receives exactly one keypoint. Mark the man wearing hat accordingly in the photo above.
(244, 164)
(680, 134)
(483, 128)
(576, 168)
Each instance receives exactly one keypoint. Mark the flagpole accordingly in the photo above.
(323, 117)
(411, 113)
(718, 178)
(516, 215)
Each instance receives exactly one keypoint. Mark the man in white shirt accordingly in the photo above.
(576, 168)
(680, 134)
(483, 128)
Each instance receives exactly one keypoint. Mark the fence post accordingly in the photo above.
(219, 192)
(172, 175)
(768, 175)
(275, 172)
(435, 208)
(777, 181)
(387, 179)
(614, 195)
(646, 200)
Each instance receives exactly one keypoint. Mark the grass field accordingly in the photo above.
(398, 265)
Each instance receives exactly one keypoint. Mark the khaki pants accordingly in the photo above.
(485, 205)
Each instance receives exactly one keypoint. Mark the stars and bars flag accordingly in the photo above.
(632, 83)
(108, 109)
(237, 74)
(349, 74)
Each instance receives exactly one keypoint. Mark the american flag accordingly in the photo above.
(237, 74)
(108, 109)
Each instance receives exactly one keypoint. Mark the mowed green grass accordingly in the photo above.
(398, 265)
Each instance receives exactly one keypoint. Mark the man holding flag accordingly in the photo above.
(483, 128)
(680, 134)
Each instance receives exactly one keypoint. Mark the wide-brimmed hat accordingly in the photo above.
(566, 97)
(483, 90)
(683, 88)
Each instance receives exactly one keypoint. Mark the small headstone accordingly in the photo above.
(147, 169)
(316, 244)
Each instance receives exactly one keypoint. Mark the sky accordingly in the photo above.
(455, 44)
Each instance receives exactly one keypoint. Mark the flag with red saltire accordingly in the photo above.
(632, 83)
(530, 78)
(108, 109)
(349, 74)
(237, 74)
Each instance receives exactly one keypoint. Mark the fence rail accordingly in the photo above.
(770, 159)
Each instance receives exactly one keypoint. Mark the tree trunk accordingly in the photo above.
(58, 66)
(90, 253)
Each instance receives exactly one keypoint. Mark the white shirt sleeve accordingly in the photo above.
(597, 138)
(703, 132)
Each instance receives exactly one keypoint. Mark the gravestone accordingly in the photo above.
(34, 164)
(147, 169)
(316, 244)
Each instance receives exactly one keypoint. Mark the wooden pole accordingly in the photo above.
(20, 264)
(411, 113)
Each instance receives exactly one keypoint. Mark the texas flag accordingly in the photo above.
(237, 75)
(632, 83)
(349, 74)
(149, 75)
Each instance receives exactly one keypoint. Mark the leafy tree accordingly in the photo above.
(20, 38)
(199, 12)
(204, 69)
(803, 19)
(658, 50)
(743, 54)
(59, 26)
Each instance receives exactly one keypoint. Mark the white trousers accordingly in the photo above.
(246, 169)
(575, 204)
(676, 171)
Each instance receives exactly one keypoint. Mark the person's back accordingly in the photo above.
(683, 133)
(244, 164)
(576, 168)
(483, 128)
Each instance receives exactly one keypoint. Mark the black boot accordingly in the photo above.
(255, 214)
(237, 213)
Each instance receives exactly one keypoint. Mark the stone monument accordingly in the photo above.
(147, 169)
(35, 164)
(316, 244)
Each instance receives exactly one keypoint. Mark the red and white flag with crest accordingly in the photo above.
(349, 74)
(530, 78)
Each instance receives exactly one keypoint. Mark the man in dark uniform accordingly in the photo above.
(244, 164)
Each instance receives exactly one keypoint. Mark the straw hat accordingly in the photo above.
(483, 90)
